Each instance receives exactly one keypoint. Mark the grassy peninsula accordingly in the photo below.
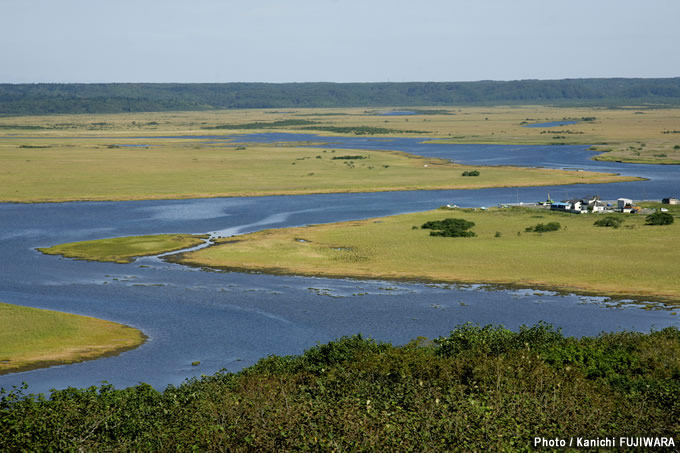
(34, 338)
(94, 169)
(633, 260)
(124, 249)
(478, 389)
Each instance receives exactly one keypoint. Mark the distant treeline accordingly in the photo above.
(44, 98)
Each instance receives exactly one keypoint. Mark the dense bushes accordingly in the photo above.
(609, 221)
(450, 228)
(478, 388)
(471, 173)
(543, 228)
(659, 218)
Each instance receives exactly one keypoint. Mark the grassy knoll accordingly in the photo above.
(633, 260)
(33, 338)
(478, 389)
(124, 249)
(63, 169)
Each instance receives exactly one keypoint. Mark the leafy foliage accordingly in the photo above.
(450, 228)
(609, 221)
(480, 388)
(543, 228)
(471, 173)
(659, 218)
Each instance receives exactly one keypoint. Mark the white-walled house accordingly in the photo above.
(624, 204)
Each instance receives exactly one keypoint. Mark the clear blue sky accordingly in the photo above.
(335, 40)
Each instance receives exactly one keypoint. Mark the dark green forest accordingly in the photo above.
(478, 389)
(45, 98)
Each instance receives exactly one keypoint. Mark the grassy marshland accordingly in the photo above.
(636, 133)
(479, 389)
(90, 169)
(33, 338)
(124, 249)
(634, 260)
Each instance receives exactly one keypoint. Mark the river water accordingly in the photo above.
(230, 320)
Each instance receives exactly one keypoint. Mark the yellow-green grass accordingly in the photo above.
(33, 338)
(634, 260)
(624, 132)
(124, 249)
(89, 169)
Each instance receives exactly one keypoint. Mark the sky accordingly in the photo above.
(92, 41)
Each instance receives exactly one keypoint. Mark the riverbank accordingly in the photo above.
(32, 338)
(635, 260)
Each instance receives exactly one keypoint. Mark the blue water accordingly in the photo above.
(551, 124)
(230, 320)
(398, 113)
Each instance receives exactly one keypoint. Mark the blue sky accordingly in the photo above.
(335, 40)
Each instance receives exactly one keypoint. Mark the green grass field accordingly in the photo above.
(124, 249)
(172, 168)
(33, 338)
(634, 260)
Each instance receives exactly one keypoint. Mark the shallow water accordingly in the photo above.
(551, 124)
(230, 320)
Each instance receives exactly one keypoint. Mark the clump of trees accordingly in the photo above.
(609, 221)
(543, 228)
(659, 218)
(471, 173)
(452, 228)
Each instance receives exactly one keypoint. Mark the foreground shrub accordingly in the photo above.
(480, 388)
(609, 221)
(543, 228)
(659, 218)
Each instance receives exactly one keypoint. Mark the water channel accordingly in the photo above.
(230, 320)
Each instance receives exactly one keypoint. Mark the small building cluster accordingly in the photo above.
(594, 205)
(582, 205)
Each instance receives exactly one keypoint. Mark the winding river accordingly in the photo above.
(230, 320)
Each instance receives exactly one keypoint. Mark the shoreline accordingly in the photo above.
(669, 303)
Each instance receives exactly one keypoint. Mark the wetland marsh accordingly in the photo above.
(218, 318)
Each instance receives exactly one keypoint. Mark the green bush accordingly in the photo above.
(659, 218)
(609, 221)
(450, 228)
(357, 157)
(471, 173)
(543, 228)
